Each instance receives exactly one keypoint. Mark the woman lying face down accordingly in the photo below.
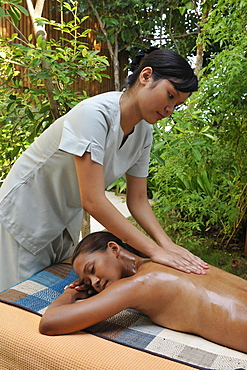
(213, 306)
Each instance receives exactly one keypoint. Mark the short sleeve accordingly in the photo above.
(140, 168)
(84, 130)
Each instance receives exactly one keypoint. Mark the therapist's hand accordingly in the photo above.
(179, 258)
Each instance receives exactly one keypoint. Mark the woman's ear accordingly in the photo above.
(114, 248)
(146, 75)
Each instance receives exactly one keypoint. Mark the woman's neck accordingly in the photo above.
(131, 263)
(130, 115)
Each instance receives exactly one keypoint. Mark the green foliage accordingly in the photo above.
(23, 116)
(118, 186)
(140, 23)
(224, 95)
(25, 107)
(189, 185)
(199, 164)
(14, 10)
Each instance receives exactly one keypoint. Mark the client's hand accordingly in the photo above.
(80, 286)
(77, 284)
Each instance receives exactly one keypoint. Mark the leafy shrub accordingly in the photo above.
(192, 177)
(25, 107)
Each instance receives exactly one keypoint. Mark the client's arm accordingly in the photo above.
(65, 315)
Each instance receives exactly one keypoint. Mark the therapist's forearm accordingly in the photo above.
(105, 213)
(92, 184)
(143, 214)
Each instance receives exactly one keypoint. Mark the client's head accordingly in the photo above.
(99, 259)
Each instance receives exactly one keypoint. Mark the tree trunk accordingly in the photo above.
(85, 228)
(40, 30)
(199, 49)
(199, 58)
(116, 65)
(245, 245)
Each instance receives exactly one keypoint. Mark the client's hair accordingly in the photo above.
(97, 242)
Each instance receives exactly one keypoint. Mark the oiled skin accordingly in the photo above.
(213, 306)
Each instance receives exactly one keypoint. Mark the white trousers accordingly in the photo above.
(18, 264)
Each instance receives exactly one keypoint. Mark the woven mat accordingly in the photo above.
(129, 327)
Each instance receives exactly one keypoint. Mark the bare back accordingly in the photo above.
(213, 306)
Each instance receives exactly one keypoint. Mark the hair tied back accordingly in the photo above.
(139, 56)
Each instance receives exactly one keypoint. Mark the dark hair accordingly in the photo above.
(166, 64)
(97, 242)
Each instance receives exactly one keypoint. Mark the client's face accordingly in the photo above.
(98, 269)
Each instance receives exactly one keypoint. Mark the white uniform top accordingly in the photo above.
(40, 196)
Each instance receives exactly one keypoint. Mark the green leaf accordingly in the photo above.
(14, 152)
(104, 75)
(113, 21)
(13, 16)
(29, 114)
(197, 154)
(204, 182)
(41, 42)
(2, 13)
(157, 158)
(84, 53)
(189, 5)
(44, 109)
(16, 11)
(35, 62)
(182, 9)
(67, 6)
(180, 129)
(22, 9)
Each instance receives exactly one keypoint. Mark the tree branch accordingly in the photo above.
(17, 30)
(102, 29)
(173, 36)
(19, 64)
(36, 13)
(113, 53)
